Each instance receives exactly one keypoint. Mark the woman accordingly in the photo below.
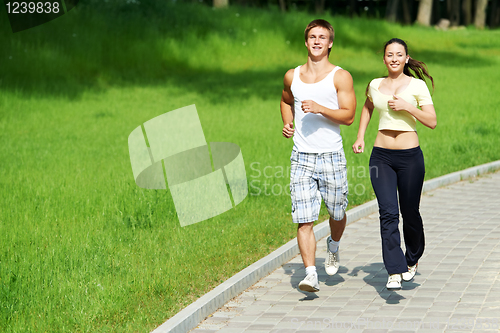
(396, 162)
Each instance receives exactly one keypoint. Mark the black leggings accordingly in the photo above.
(393, 171)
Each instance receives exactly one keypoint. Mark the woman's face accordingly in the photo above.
(395, 57)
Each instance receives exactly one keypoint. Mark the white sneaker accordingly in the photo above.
(394, 282)
(332, 262)
(412, 270)
(310, 283)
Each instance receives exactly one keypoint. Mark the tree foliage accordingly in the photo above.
(481, 13)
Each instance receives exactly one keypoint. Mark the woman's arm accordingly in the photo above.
(366, 115)
(426, 115)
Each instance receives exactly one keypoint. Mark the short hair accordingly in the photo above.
(322, 24)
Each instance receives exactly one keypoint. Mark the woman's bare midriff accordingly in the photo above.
(396, 139)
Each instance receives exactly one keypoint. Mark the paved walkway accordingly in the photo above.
(456, 289)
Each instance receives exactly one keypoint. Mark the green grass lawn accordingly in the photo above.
(83, 249)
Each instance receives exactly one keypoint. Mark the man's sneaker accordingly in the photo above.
(394, 282)
(412, 270)
(332, 262)
(310, 283)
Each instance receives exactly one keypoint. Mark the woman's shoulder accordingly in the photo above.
(417, 80)
(377, 80)
(375, 83)
(418, 83)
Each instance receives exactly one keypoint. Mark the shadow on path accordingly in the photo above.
(377, 278)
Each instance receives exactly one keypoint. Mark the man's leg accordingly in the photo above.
(307, 243)
(337, 228)
(307, 247)
(305, 208)
(334, 190)
(332, 262)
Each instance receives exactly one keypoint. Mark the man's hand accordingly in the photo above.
(288, 130)
(309, 106)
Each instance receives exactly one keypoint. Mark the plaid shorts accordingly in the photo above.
(314, 176)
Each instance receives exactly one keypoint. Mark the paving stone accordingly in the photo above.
(228, 330)
(458, 279)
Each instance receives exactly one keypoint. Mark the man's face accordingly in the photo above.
(318, 41)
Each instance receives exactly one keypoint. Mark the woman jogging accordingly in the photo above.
(396, 162)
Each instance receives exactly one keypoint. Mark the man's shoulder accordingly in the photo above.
(342, 72)
(342, 77)
(291, 71)
(289, 76)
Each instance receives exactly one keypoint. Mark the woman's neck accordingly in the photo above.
(397, 76)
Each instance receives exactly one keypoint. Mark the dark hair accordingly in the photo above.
(418, 67)
(322, 24)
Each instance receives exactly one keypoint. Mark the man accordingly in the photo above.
(319, 96)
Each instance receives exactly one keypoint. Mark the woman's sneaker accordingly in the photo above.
(310, 283)
(412, 270)
(394, 282)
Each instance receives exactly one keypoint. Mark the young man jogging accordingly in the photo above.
(319, 97)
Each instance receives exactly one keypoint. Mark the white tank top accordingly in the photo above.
(313, 132)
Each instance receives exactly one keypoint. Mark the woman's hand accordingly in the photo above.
(399, 104)
(358, 146)
(426, 114)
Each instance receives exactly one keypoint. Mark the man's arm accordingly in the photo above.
(286, 105)
(346, 97)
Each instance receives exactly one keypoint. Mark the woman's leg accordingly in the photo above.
(384, 182)
(410, 182)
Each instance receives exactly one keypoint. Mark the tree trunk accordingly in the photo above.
(494, 14)
(406, 12)
(319, 6)
(436, 12)
(467, 11)
(424, 12)
(391, 12)
(480, 19)
(221, 3)
(453, 12)
(282, 5)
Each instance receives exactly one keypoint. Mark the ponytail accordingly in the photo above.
(419, 68)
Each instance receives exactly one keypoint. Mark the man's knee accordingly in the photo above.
(340, 218)
(305, 227)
